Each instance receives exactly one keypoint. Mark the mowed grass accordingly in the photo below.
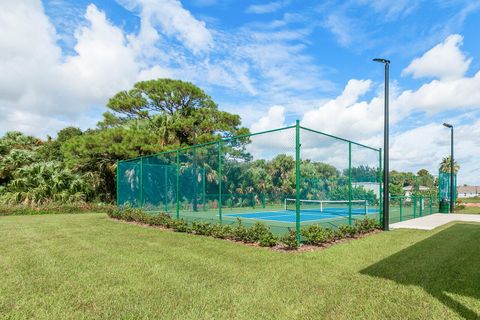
(469, 210)
(470, 200)
(90, 267)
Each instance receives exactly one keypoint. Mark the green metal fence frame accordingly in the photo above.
(219, 143)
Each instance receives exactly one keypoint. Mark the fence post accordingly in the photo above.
(165, 181)
(220, 178)
(380, 188)
(400, 209)
(297, 180)
(421, 206)
(431, 205)
(116, 181)
(203, 189)
(141, 182)
(178, 185)
(414, 206)
(349, 183)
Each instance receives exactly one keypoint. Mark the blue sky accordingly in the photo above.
(269, 61)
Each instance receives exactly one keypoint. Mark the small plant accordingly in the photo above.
(366, 225)
(268, 240)
(239, 231)
(290, 240)
(346, 231)
(220, 231)
(255, 233)
(181, 226)
(160, 219)
(315, 234)
(201, 228)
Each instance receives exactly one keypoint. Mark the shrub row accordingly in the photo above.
(53, 208)
(258, 233)
(317, 235)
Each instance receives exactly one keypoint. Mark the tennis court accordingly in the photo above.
(311, 211)
(286, 178)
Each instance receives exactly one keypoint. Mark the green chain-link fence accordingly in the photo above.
(285, 178)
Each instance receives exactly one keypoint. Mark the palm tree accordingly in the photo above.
(445, 165)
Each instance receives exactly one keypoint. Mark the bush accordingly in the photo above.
(160, 219)
(53, 208)
(180, 226)
(346, 231)
(239, 231)
(268, 240)
(220, 231)
(201, 228)
(290, 240)
(255, 233)
(366, 225)
(315, 234)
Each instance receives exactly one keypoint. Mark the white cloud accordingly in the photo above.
(341, 27)
(274, 119)
(345, 115)
(173, 20)
(43, 83)
(392, 9)
(445, 61)
(441, 95)
(426, 146)
(266, 8)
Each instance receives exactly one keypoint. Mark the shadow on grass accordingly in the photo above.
(447, 262)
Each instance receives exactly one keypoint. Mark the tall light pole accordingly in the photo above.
(452, 171)
(386, 199)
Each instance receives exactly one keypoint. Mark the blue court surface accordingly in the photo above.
(305, 215)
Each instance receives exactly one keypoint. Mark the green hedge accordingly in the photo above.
(53, 208)
(259, 233)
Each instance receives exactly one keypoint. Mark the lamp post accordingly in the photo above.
(452, 171)
(386, 200)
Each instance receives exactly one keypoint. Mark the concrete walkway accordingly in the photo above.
(435, 220)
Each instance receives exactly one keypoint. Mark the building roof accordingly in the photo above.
(468, 189)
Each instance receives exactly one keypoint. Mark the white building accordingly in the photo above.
(468, 191)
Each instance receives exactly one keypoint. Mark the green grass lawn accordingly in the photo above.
(469, 210)
(88, 266)
(470, 200)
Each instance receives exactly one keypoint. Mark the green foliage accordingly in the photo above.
(358, 193)
(446, 164)
(290, 240)
(160, 219)
(366, 225)
(316, 235)
(268, 239)
(221, 231)
(239, 231)
(52, 208)
(201, 228)
(181, 226)
(346, 231)
(44, 182)
(256, 232)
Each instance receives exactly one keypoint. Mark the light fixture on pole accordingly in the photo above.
(386, 193)
(452, 170)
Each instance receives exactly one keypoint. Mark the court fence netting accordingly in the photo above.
(286, 178)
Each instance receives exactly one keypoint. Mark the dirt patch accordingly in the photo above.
(471, 204)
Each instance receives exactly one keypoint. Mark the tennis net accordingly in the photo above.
(340, 207)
